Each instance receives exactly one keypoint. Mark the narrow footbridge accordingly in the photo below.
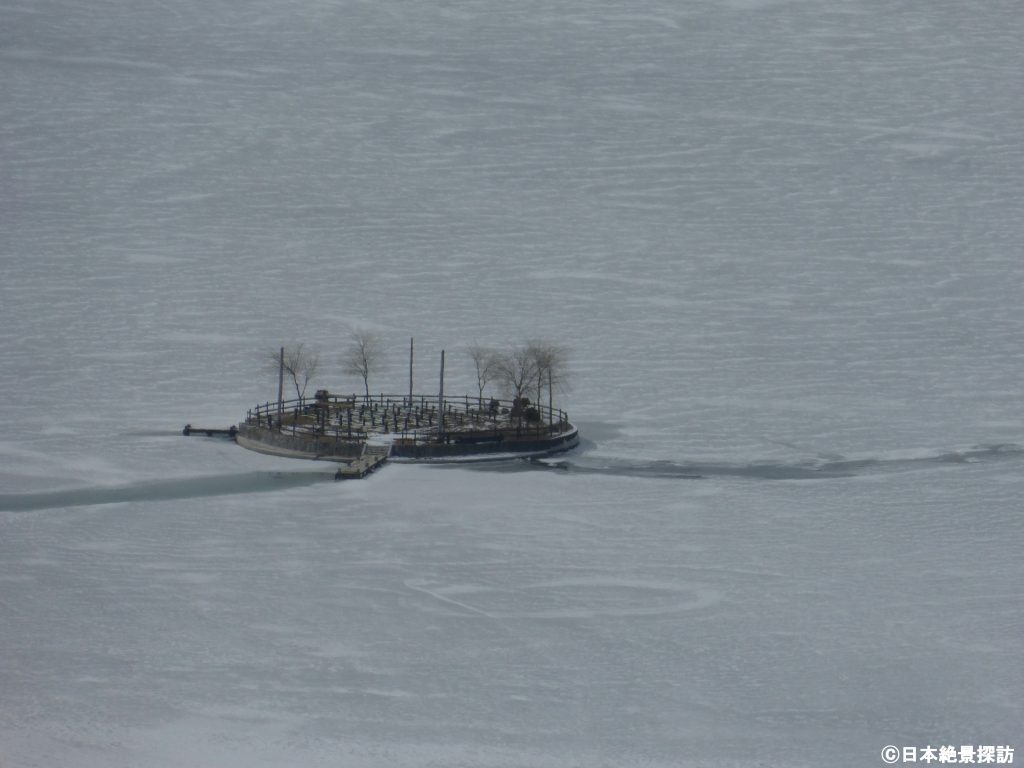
(373, 457)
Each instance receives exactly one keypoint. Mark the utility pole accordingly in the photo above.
(280, 388)
(410, 372)
(440, 404)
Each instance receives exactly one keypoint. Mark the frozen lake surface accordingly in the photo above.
(783, 242)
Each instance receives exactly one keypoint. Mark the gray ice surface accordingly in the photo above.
(783, 242)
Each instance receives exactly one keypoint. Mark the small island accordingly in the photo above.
(362, 431)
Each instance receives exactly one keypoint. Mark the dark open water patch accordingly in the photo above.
(163, 490)
(581, 463)
(571, 463)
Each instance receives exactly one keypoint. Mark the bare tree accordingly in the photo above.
(300, 365)
(363, 356)
(485, 360)
(515, 370)
(550, 364)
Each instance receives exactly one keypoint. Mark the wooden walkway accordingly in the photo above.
(373, 457)
(209, 432)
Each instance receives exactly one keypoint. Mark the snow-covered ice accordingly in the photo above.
(783, 242)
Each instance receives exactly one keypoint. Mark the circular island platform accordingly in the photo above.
(419, 428)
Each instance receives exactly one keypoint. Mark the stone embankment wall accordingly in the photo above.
(310, 446)
(454, 449)
(458, 446)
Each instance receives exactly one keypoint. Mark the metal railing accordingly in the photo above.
(416, 420)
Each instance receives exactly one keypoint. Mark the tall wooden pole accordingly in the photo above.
(280, 388)
(550, 410)
(440, 404)
(410, 373)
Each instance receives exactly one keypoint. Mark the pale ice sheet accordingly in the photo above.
(420, 618)
(782, 240)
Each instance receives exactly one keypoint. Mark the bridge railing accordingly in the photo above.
(420, 418)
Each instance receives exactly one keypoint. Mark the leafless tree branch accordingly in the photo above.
(485, 362)
(363, 356)
(300, 365)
